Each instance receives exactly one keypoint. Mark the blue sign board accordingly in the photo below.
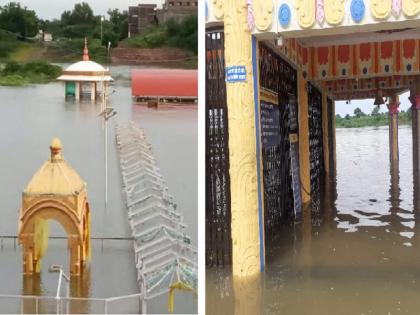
(235, 74)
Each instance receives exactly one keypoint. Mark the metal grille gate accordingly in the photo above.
(316, 154)
(218, 216)
(277, 76)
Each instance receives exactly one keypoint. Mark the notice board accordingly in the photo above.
(270, 119)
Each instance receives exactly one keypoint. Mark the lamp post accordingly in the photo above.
(106, 113)
(102, 19)
(59, 269)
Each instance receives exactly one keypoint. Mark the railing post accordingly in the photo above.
(106, 307)
(143, 306)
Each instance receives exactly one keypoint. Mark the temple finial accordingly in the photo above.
(55, 148)
(85, 51)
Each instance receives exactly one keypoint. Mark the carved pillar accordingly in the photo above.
(93, 91)
(83, 254)
(415, 100)
(304, 139)
(325, 134)
(28, 257)
(246, 259)
(77, 92)
(75, 260)
(393, 128)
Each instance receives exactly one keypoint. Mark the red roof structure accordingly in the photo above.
(170, 83)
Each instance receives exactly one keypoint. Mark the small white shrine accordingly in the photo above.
(85, 78)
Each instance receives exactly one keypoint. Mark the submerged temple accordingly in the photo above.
(274, 70)
(56, 192)
(85, 78)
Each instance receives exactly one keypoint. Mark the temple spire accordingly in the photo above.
(85, 51)
(55, 149)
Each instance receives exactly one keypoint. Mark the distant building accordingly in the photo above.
(44, 36)
(47, 37)
(140, 18)
(177, 10)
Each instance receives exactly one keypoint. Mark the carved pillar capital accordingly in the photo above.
(415, 101)
(393, 108)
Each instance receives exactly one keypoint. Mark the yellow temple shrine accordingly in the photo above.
(56, 192)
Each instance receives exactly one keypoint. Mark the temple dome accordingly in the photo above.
(56, 176)
(86, 66)
(85, 70)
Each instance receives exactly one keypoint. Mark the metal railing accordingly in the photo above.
(34, 304)
(165, 257)
(14, 239)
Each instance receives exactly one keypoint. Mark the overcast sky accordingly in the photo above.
(50, 9)
(367, 105)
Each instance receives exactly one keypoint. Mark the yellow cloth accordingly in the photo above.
(88, 249)
(176, 286)
(41, 233)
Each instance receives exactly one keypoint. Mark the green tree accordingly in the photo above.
(81, 14)
(79, 22)
(409, 112)
(119, 21)
(17, 19)
(375, 111)
(358, 112)
(110, 36)
(54, 27)
(183, 34)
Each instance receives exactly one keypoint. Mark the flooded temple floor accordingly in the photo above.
(31, 117)
(360, 254)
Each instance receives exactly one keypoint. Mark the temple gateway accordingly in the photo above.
(58, 193)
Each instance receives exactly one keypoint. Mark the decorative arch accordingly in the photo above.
(33, 225)
(51, 209)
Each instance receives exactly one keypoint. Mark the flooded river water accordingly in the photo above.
(359, 255)
(31, 117)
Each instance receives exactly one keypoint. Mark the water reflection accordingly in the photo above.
(247, 295)
(79, 287)
(359, 255)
